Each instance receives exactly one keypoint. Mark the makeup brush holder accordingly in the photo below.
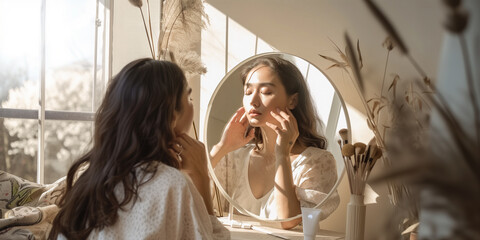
(355, 229)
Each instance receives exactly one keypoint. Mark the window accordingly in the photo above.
(53, 69)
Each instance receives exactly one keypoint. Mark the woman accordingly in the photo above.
(132, 187)
(287, 166)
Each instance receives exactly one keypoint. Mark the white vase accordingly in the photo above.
(355, 229)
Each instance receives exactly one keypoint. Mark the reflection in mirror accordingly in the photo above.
(272, 146)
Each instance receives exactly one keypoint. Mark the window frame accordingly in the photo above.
(103, 35)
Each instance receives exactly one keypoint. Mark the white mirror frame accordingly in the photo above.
(329, 134)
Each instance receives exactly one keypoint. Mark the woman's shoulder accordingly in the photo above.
(166, 178)
(168, 173)
(314, 159)
(313, 156)
(317, 152)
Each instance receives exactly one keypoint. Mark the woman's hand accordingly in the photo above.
(285, 197)
(191, 155)
(286, 129)
(193, 161)
(234, 136)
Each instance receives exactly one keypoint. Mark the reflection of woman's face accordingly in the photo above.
(263, 93)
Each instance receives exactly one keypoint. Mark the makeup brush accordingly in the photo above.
(378, 154)
(340, 144)
(373, 142)
(359, 147)
(344, 135)
(348, 150)
(366, 160)
(359, 160)
(374, 153)
(359, 150)
(373, 148)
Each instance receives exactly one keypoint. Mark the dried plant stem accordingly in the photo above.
(383, 83)
(417, 67)
(150, 26)
(195, 130)
(384, 73)
(387, 25)
(359, 89)
(169, 34)
(146, 32)
(159, 48)
(471, 86)
(392, 189)
(369, 114)
(168, 15)
(353, 62)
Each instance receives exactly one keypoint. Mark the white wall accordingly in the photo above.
(130, 42)
(307, 28)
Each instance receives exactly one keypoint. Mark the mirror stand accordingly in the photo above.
(229, 221)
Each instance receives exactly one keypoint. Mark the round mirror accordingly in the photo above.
(227, 172)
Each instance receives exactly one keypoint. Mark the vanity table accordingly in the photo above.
(296, 233)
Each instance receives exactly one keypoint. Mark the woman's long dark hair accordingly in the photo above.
(309, 134)
(133, 128)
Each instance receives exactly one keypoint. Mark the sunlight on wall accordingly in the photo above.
(221, 35)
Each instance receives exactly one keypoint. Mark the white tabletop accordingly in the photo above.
(260, 228)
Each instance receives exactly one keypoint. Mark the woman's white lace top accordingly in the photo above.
(168, 207)
(314, 175)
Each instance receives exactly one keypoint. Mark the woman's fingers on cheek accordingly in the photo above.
(274, 114)
(243, 119)
(283, 114)
(277, 117)
(274, 127)
(289, 112)
(283, 122)
(291, 117)
(271, 125)
(241, 110)
(238, 114)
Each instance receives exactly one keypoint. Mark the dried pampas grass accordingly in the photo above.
(440, 166)
(190, 62)
(433, 171)
(387, 25)
(180, 21)
(136, 3)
